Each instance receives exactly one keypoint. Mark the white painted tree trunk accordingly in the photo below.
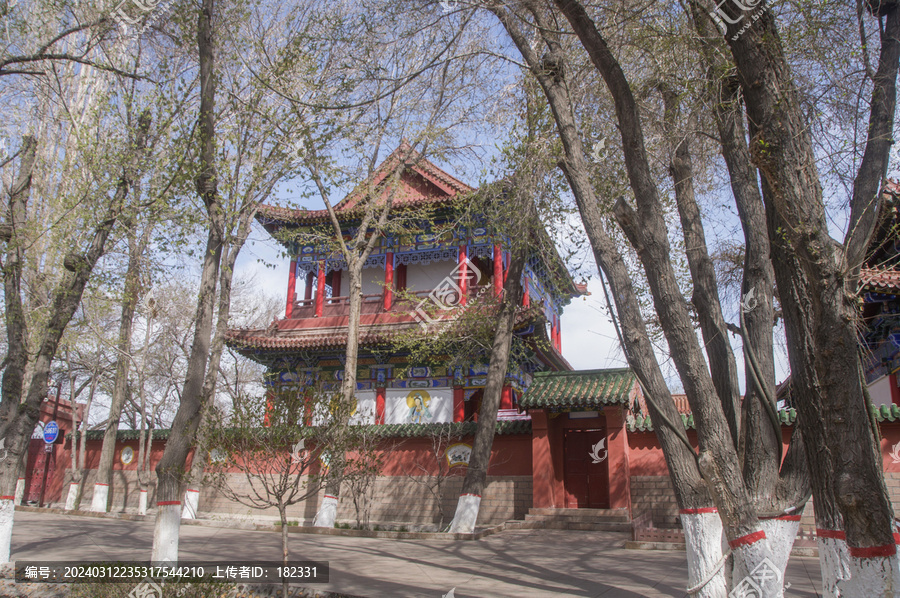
(703, 538)
(142, 503)
(20, 490)
(100, 499)
(466, 514)
(327, 512)
(754, 572)
(834, 561)
(781, 533)
(165, 533)
(72, 496)
(191, 504)
(7, 513)
(877, 574)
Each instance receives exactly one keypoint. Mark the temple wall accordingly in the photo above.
(416, 486)
(651, 488)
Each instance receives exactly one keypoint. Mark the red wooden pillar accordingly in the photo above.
(558, 335)
(526, 296)
(463, 277)
(388, 280)
(292, 289)
(459, 404)
(617, 445)
(269, 407)
(506, 398)
(498, 270)
(320, 289)
(553, 331)
(307, 409)
(335, 283)
(542, 461)
(379, 405)
(307, 293)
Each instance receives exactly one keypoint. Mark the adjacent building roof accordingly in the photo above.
(580, 390)
(787, 417)
(502, 428)
(879, 279)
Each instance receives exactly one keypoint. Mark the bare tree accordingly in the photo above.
(282, 463)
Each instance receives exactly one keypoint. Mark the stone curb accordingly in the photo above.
(237, 524)
(58, 511)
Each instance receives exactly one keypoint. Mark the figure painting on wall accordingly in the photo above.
(418, 402)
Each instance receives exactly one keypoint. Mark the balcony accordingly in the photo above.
(371, 304)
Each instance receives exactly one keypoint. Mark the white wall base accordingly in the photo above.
(142, 503)
(101, 496)
(327, 512)
(466, 514)
(703, 538)
(7, 513)
(165, 533)
(834, 562)
(191, 504)
(71, 496)
(20, 490)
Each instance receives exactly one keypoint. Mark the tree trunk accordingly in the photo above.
(170, 469)
(705, 298)
(230, 253)
(130, 296)
(327, 513)
(476, 473)
(817, 287)
(19, 417)
(690, 490)
(76, 488)
(285, 550)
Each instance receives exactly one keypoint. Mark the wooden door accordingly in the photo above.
(586, 483)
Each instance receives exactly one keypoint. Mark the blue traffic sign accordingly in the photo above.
(51, 432)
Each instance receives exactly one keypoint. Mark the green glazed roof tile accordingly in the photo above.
(586, 389)
(503, 428)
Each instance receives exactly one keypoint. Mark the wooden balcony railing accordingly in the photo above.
(371, 304)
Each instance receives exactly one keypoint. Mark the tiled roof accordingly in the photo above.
(422, 183)
(585, 389)
(502, 428)
(877, 279)
(321, 339)
(887, 413)
(126, 434)
(643, 423)
(309, 333)
(681, 403)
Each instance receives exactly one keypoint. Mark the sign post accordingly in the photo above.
(51, 433)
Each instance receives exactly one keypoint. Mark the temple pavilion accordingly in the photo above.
(402, 271)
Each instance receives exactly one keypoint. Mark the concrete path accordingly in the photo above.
(526, 563)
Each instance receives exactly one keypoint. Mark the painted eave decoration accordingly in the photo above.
(580, 390)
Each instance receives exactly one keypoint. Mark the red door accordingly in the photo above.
(586, 482)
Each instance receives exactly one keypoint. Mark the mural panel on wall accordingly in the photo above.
(363, 412)
(418, 406)
(365, 408)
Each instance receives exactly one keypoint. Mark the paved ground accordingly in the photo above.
(517, 564)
